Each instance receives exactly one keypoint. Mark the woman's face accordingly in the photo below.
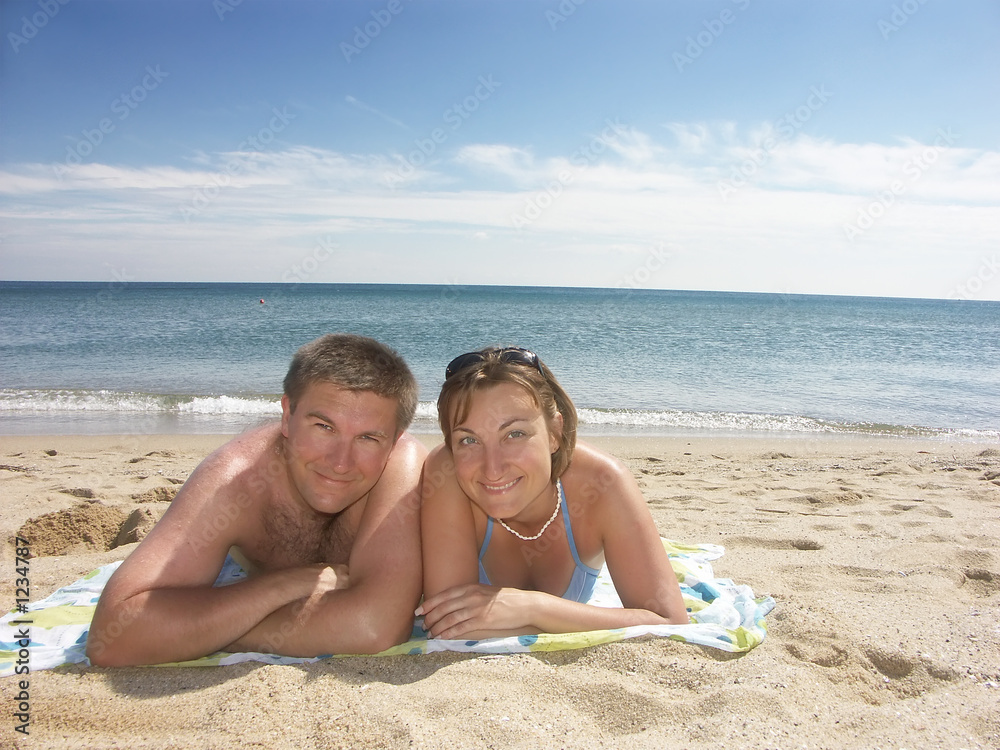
(503, 450)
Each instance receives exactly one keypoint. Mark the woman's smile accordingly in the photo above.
(503, 454)
(500, 488)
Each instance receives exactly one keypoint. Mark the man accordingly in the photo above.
(323, 508)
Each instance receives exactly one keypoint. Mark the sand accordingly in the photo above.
(882, 554)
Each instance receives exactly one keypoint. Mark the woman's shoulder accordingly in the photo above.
(438, 456)
(594, 471)
(587, 458)
(439, 467)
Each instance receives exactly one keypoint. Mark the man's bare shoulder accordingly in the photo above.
(250, 463)
(244, 452)
(400, 480)
(396, 495)
(236, 477)
(408, 451)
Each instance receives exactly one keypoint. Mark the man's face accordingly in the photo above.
(337, 444)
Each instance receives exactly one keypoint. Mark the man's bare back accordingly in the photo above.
(324, 507)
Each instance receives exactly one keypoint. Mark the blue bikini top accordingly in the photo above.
(581, 585)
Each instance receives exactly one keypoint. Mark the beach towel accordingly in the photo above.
(724, 615)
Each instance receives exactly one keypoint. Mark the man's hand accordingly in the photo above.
(323, 578)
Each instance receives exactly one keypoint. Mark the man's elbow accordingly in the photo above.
(110, 640)
(385, 633)
(102, 653)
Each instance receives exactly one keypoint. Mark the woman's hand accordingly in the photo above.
(476, 607)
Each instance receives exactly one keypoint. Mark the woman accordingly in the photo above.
(517, 519)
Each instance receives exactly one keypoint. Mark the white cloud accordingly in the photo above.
(738, 211)
(516, 163)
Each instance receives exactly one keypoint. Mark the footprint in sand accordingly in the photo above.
(892, 664)
(818, 650)
(616, 711)
(908, 676)
(827, 527)
(799, 544)
(981, 582)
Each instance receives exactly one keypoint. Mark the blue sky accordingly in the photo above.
(746, 145)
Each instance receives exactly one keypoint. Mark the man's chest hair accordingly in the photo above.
(287, 541)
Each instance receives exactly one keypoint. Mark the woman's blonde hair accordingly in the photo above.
(493, 368)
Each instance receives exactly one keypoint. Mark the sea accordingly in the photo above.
(143, 358)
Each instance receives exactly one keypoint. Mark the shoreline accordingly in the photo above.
(881, 553)
(430, 431)
(82, 412)
(609, 442)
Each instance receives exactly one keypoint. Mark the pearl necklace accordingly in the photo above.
(551, 518)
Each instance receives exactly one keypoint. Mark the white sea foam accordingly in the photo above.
(230, 405)
(40, 400)
(426, 410)
(701, 420)
(225, 412)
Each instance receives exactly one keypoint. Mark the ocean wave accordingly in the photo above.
(132, 402)
(23, 403)
(701, 420)
(230, 405)
(426, 411)
(670, 421)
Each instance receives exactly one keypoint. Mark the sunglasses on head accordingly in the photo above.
(511, 354)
